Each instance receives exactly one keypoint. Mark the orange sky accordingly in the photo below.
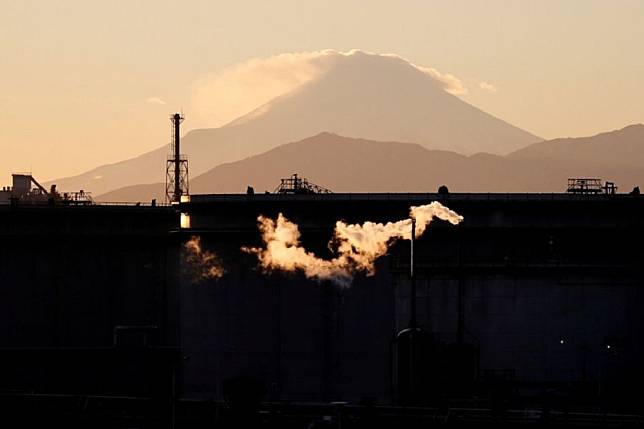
(88, 82)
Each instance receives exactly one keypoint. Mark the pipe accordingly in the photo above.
(413, 323)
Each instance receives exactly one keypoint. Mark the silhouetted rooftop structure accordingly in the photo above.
(27, 190)
(299, 185)
(590, 186)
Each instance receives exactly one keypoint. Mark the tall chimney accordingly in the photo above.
(176, 177)
(412, 347)
(176, 122)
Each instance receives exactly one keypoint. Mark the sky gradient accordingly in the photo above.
(87, 82)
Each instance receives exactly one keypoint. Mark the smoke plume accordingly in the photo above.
(357, 245)
(202, 264)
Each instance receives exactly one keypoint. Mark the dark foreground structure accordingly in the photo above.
(88, 313)
(531, 309)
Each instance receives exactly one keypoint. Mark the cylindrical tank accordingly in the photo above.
(413, 366)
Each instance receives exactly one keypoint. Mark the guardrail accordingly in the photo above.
(131, 204)
(71, 203)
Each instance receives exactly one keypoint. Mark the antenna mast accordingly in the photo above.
(176, 169)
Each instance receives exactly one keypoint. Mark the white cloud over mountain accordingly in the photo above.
(236, 90)
(488, 87)
(156, 100)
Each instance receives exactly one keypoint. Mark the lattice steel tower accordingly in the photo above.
(176, 167)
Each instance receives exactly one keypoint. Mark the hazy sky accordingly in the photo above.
(87, 82)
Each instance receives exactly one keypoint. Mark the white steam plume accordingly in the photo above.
(202, 264)
(357, 245)
(284, 252)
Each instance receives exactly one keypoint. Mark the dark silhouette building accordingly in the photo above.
(533, 299)
(531, 293)
(89, 310)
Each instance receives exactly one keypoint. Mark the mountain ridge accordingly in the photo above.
(345, 164)
(624, 146)
(363, 95)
